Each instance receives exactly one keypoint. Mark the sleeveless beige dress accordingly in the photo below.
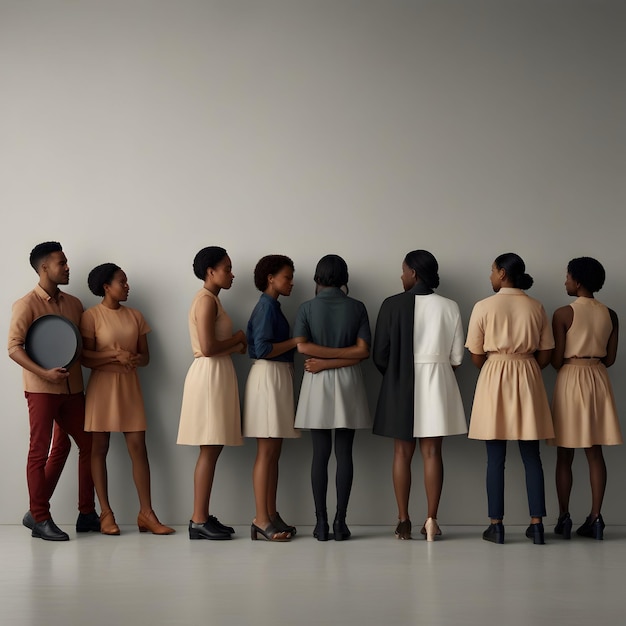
(210, 413)
(583, 406)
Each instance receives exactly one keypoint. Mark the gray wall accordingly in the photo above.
(138, 132)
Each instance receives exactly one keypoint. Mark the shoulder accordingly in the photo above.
(68, 297)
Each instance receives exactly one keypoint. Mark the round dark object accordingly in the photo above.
(53, 341)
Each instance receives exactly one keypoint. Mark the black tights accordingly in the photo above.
(322, 447)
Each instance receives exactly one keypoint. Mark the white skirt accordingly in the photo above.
(268, 409)
(333, 399)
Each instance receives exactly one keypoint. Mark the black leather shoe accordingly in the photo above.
(564, 526)
(495, 533)
(49, 531)
(88, 522)
(341, 530)
(28, 520)
(593, 528)
(535, 532)
(320, 532)
(207, 531)
(215, 523)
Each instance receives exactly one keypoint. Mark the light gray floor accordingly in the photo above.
(372, 579)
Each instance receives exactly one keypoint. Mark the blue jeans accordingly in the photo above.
(496, 456)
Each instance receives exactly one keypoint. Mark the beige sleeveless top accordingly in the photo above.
(590, 329)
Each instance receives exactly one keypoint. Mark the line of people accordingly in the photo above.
(418, 342)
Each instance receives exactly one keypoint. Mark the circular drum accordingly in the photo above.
(53, 341)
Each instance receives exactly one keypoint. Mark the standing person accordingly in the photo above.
(583, 406)
(210, 416)
(417, 345)
(53, 396)
(115, 344)
(332, 396)
(510, 340)
(269, 404)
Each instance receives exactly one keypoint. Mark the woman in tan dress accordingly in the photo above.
(114, 346)
(583, 407)
(210, 416)
(510, 340)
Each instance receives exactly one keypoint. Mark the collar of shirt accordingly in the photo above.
(44, 295)
(270, 300)
(330, 292)
(420, 289)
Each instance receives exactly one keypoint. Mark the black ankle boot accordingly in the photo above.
(564, 526)
(340, 529)
(321, 527)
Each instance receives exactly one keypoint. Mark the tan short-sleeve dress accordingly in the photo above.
(583, 406)
(113, 400)
(210, 413)
(510, 401)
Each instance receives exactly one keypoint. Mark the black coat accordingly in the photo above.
(393, 356)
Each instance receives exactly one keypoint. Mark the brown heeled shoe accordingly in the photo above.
(403, 529)
(431, 529)
(150, 523)
(107, 523)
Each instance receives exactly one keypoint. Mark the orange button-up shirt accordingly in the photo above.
(26, 310)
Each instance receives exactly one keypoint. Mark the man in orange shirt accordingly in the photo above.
(54, 396)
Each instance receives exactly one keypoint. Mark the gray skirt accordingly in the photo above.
(333, 398)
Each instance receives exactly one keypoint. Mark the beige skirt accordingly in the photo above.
(583, 406)
(510, 401)
(268, 409)
(210, 413)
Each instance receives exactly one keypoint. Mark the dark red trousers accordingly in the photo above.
(44, 465)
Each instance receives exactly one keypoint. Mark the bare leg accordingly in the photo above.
(564, 477)
(99, 451)
(430, 447)
(265, 479)
(203, 482)
(597, 478)
(402, 455)
(136, 444)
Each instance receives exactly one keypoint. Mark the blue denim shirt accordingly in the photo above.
(267, 326)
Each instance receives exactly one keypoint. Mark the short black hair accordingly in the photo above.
(515, 269)
(588, 272)
(331, 271)
(425, 266)
(207, 257)
(41, 251)
(100, 276)
(270, 265)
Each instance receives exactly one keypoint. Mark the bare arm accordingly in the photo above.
(561, 322)
(314, 365)
(358, 351)
(209, 344)
(284, 346)
(478, 359)
(543, 357)
(611, 346)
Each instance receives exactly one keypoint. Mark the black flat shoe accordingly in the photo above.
(536, 532)
(341, 530)
(28, 520)
(593, 528)
(88, 522)
(49, 531)
(494, 533)
(215, 523)
(206, 531)
(564, 526)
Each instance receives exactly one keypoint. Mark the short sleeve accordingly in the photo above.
(546, 339)
(301, 327)
(142, 325)
(476, 332)
(365, 332)
(262, 331)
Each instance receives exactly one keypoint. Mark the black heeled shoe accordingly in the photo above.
(564, 526)
(281, 525)
(341, 530)
(593, 528)
(320, 532)
(536, 533)
(269, 533)
(494, 533)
